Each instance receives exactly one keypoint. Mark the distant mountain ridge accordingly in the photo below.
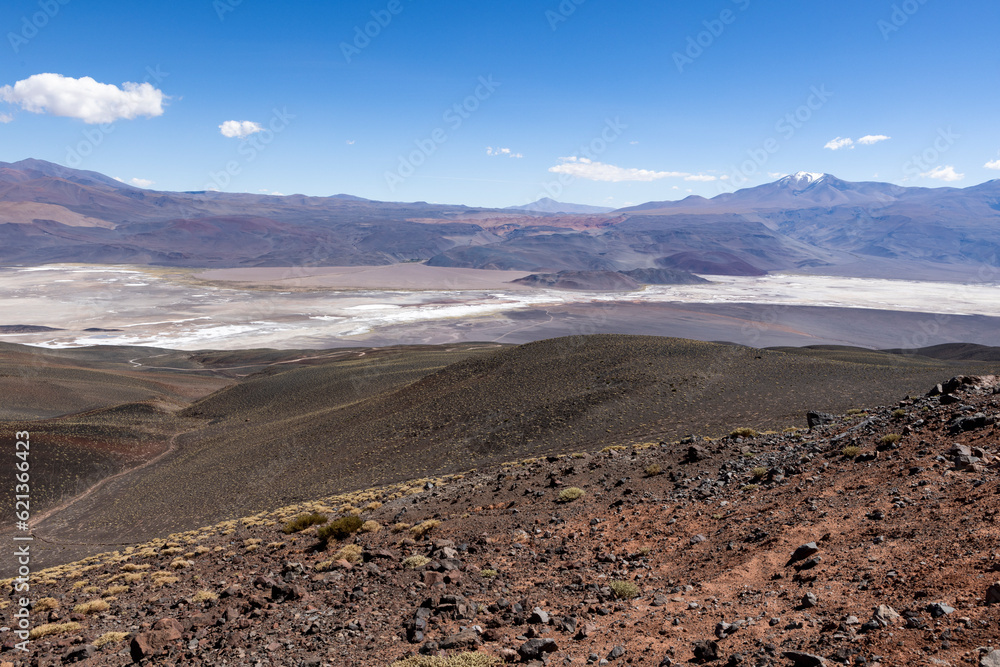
(548, 205)
(803, 222)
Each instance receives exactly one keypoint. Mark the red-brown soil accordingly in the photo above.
(907, 519)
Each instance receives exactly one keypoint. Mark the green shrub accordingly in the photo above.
(899, 413)
(759, 472)
(748, 487)
(624, 590)
(891, 439)
(653, 470)
(488, 574)
(302, 522)
(340, 529)
(570, 494)
(850, 451)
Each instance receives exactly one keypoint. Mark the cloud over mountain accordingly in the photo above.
(84, 98)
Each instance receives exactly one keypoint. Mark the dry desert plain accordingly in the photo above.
(317, 308)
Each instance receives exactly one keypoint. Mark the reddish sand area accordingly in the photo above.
(394, 276)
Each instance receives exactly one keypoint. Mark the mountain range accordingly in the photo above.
(804, 222)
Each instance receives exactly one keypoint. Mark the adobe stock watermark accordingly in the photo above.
(454, 117)
(363, 35)
(250, 149)
(925, 161)
(786, 127)
(701, 42)
(900, 16)
(223, 7)
(609, 134)
(93, 137)
(562, 13)
(32, 25)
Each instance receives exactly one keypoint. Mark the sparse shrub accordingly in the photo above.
(91, 607)
(748, 487)
(165, 581)
(400, 527)
(370, 526)
(115, 590)
(855, 411)
(759, 472)
(422, 529)
(851, 451)
(624, 590)
(653, 470)
(372, 506)
(645, 551)
(891, 439)
(49, 629)
(131, 577)
(180, 563)
(744, 433)
(204, 596)
(78, 584)
(110, 638)
(488, 574)
(302, 522)
(171, 551)
(46, 604)
(413, 562)
(89, 590)
(612, 448)
(276, 545)
(570, 494)
(899, 413)
(349, 552)
(340, 529)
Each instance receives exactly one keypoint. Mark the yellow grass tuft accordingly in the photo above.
(91, 607)
(422, 529)
(46, 604)
(204, 596)
(110, 638)
(53, 629)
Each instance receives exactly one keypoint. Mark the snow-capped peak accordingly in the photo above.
(805, 176)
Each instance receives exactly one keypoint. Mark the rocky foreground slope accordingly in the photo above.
(869, 539)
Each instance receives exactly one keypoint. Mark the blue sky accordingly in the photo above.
(496, 104)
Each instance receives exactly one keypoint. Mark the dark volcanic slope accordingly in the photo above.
(870, 540)
(377, 419)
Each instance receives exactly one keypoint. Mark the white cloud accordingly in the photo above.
(581, 167)
(944, 174)
(239, 129)
(84, 98)
(870, 139)
(5, 118)
(141, 182)
(502, 152)
(776, 174)
(350, 142)
(995, 164)
(838, 143)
